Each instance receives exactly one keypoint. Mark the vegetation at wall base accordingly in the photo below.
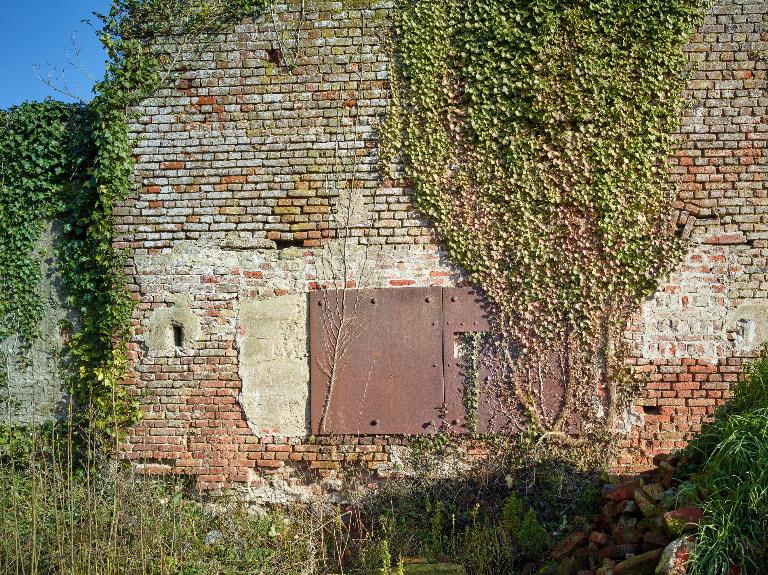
(53, 511)
(56, 518)
(728, 465)
(700, 511)
(102, 516)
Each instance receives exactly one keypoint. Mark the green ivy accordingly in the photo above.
(471, 347)
(34, 167)
(73, 164)
(536, 135)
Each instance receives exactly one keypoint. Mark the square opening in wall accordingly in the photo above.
(289, 243)
(178, 335)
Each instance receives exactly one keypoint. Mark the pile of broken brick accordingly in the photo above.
(634, 534)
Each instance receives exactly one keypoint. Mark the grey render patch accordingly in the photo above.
(34, 393)
(168, 323)
(273, 346)
(749, 324)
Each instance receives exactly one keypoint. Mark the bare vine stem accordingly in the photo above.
(340, 334)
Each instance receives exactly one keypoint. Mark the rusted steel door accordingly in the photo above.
(376, 361)
(550, 383)
(388, 361)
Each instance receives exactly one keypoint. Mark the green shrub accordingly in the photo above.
(491, 525)
(531, 536)
(730, 459)
(512, 511)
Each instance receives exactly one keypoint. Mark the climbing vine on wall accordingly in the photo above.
(73, 164)
(536, 135)
(34, 164)
(143, 40)
(471, 347)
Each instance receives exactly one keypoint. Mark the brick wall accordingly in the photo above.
(255, 178)
(712, 312)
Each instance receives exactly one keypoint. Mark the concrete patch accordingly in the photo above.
(160, 337)
(274, 364)
(749, 324)
(350, 210)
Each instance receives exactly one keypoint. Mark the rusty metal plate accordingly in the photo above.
(544, 380)
(499, 409)
(464, 310)
(383, 351)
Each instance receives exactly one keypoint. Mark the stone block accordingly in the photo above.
(682, 520)
(644, 564)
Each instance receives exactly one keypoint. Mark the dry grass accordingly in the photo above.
(97, 517)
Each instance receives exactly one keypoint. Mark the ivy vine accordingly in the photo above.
(73, 163)
(536, 135)
(471, 344)
(34, 164)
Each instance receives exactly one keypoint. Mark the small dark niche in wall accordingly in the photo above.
(274, 56)
(285, 244)
(178, 335)
(652, 410)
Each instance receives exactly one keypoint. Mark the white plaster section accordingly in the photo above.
(409, 463)
(271, 330)
(629, 420)
(274, 364)
(160, 331)
(350, 210)
(179, 269)
(688, 315)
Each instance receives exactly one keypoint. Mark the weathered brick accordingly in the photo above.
(262, 159)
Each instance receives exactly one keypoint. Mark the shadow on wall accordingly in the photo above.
(503, 523)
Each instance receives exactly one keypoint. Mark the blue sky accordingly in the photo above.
(41, 32)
